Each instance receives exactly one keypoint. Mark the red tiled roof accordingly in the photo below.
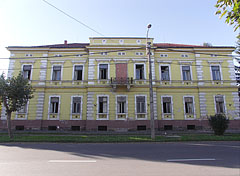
(69, 45)
(178, 45)
(173, 45)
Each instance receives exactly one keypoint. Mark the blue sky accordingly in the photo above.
(33, 22)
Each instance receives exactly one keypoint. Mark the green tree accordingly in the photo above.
(219, 123)
(230, 8)
(14, 94)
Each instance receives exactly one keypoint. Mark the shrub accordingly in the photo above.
(219, 123)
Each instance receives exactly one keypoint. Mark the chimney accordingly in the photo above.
(65, 42)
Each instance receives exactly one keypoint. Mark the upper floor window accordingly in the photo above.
(78, 72)
(139, 68)
(28, 55)
(56, 74)
(139, 53)
(163, 55)
(76, 105)
(104, 53)
(184, 55)
(121, 104)
(102, 104)
(165, 73)
(138, 41)
(186, 73)
(54, 104)
(188, 103)
(58, 55)
(23, 109)
(27, 71)
(216, 73)
(103, 71)
(141, 104)
(219, 102)
(167, 105)
(121, 53)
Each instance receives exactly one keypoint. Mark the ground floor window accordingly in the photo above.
(54, 105)
(188, 103)
(219, 102)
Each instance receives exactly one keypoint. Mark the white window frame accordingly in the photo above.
(146, 102)
(220, 70)
(163, 55)
(160, 72)
(72, 114)
(225, 107)
(172, 116)
(121, 41)
(20, 113)
(190, 73)
(74, 72)
(144, 67)
(116, 108)
(49, 107)
(28, 55)
(108, 74)
(103, 95)
(51, 76)
(194, 108)
(31, 70)
(139, 53)
(184, 55)
(121, 53)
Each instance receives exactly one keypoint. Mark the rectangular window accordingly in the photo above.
(76, 105)
(167, 105)
(102, 102)
(78, 72)
(139, 71)
(186, 73)
(189, 109)
(27, 71)
(56, 73)
(165, 73)
(23, 109)
(54, 104)
(219, 104)
(121, 104)
(141, 104)
(216, 73)
(103, 71)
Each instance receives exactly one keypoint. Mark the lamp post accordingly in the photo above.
(148, 49)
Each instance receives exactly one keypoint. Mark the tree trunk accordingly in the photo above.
(9, 124)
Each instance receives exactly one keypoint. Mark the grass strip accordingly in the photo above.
(115, 138)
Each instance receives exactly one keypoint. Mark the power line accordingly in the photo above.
(73, 18)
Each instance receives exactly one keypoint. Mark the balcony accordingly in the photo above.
(121, 82)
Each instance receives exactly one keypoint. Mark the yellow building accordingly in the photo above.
(103, 85)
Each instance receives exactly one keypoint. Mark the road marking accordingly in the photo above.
(198, 159)
(72, 161)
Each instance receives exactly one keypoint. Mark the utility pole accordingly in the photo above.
(148, 49)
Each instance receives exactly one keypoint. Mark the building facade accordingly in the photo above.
(103, 85)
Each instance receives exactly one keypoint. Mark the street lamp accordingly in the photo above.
(148, 50)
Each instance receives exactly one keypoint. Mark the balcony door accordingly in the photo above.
(121, 72)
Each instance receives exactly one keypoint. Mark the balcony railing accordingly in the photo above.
(121, 81)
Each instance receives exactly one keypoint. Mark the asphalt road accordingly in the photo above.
(141, 159)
